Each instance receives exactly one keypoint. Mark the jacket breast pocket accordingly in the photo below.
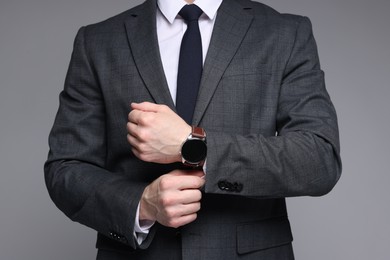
(264, 234)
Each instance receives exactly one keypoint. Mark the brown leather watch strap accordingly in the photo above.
(198, 132)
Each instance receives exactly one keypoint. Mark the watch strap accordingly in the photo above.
(198, 132)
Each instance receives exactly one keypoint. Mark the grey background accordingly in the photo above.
(352, 222)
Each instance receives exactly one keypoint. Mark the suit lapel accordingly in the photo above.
(233, 21)
(142, 36)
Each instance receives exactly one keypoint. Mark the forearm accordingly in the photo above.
(95, 197)
(297, 164)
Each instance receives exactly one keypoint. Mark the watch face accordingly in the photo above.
(194, 151)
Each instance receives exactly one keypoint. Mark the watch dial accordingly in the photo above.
(194, 151)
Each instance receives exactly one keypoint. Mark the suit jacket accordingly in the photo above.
(271, 132)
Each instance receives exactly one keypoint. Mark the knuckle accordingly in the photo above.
(135, 152)
(129, 116)
(164, 108)
(142, 135)
(170, 213)
(196, 182)
(165, 183)
(143, 120)
(201, 182)
(143, 157)
(174, 223)
(129, 138)
(165, 201)
(147, 118)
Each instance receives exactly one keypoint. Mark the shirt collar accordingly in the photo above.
(170, 8)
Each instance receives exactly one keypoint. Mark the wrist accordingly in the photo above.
(183, 138)
(146, 211)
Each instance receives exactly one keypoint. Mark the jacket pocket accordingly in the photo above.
(264, 234)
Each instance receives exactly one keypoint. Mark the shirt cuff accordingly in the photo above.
(141, 228)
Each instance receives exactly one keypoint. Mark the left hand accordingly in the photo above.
(173, 199)
(156, 133)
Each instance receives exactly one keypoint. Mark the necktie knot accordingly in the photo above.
(190, 12)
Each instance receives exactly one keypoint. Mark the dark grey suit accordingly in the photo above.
(261, 77)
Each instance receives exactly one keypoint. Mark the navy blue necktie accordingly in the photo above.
(190, 64)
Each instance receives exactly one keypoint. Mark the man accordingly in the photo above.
(158, 182)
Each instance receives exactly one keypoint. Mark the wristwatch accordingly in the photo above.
(194, 148)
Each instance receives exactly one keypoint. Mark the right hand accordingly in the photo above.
(173, 199)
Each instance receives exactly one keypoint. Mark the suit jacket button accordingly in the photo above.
(116, 236)
(229, 186)
(222, 185)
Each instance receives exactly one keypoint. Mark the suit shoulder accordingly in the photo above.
(113, 23)
(110, 23)
(272, 15)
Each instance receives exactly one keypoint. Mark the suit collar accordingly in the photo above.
(142, 37)
(171, 8)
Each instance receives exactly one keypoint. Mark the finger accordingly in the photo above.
(135, 116)
(189, 196)
(180, 172)
(132, 140)
(136, 153)
(171, 182)
(198, 173)
(193, 179)
(138, 149)
(184, 220)
(146, 106)
(190, 208)
(188, 218)
(131, 128)
(181, 210)
(189, 182)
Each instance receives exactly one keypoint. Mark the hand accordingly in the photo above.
(156, 133)
(173, 199)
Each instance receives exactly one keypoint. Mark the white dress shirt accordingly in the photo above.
(170, 30)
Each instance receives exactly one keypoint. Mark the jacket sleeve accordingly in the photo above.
(303, 156)
(75, 173)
